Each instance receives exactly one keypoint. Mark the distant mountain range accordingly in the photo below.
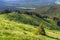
(16, 4)
(28, 2)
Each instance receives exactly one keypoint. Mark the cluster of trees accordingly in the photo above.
(9, 11)
(6, 11)
(57, 20)
(25, 12)
(31, 13)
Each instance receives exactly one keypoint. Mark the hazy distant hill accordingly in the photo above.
(54, 11)
(51, 10)
(24, 3)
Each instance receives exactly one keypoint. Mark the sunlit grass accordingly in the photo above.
(14, 26)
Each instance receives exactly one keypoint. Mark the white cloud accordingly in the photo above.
(57, 2)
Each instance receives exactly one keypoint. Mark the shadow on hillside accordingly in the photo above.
(52, 37)
(23, 18)
(50, 25)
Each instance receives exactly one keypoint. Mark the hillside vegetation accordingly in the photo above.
(14, 26)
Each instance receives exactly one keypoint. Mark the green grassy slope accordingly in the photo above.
(14, 26)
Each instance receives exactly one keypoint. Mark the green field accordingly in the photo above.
(14, 26)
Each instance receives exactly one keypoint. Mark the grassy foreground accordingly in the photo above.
(14, 26)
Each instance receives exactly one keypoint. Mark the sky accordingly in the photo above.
(26, 0)
(18, 3)
(57, 1)
(32, 1)
(7, 2)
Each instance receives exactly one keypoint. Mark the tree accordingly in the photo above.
(17, 11)
(7, 11)
(58, 23)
